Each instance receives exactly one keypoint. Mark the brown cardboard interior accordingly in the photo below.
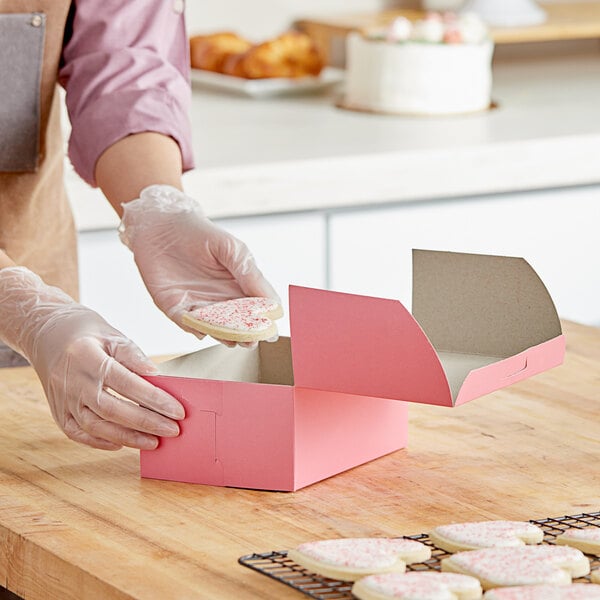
(458, 366)
(276, 362)
(475, 309)
(474, 304)
(270, 363)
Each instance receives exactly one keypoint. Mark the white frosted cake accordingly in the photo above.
(436, 66)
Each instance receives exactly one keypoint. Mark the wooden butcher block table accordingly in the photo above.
(78, 523)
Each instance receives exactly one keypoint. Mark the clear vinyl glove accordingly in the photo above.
(91, 373)
(185, 260)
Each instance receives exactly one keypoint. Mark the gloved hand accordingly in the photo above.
(83, 363)
(185, 260)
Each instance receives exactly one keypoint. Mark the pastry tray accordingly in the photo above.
(266, 88)
(277, 565)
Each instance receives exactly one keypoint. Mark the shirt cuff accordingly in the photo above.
(99, 126)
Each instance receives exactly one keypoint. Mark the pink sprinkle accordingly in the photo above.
(240, 314)
(488, 533)
(424, 585)
(359, 553)
(576, 591)
(591, 534)
(529, 565)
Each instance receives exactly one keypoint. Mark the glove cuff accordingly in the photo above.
(155, 200)
(25, 302)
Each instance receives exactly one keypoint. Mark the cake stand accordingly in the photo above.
(507, 13)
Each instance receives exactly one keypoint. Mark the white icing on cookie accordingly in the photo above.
(587, 540)
(240, 314)
(360, 553)
(576, 591)
(590, 534)
(529, 565)
(423, 585)
(489, 533)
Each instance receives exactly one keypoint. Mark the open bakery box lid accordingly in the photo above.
(479, 323)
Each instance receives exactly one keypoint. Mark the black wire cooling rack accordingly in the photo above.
(278, 566)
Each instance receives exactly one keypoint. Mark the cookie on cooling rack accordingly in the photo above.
(417, 585)
(472, 536)
(528, 565)
(587, 540)
(575, 591)
(349, 559)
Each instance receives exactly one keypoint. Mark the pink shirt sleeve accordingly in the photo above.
(126, 70)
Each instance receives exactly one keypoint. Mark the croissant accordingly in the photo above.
(292, 54)
(209, 52)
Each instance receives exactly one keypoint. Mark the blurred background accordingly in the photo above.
(264, 18)
(337, 199)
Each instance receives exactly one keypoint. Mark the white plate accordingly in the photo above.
(257, 88)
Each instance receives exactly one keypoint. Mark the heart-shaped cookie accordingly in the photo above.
(587, 540)
(576, 591)
(417, 585)
(472, 536)
(595, 576)
(238, 320)
(351, 558)
(528, 565)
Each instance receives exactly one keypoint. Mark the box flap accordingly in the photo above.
(510, 370)
(494, 306)
(363, 345)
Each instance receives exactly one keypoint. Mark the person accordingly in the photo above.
(124, 66)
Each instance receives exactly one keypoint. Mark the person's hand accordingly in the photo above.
(185, 260)
(91, 373)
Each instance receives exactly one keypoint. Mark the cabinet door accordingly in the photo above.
(289, 249)
(555, 231)
(110, 284)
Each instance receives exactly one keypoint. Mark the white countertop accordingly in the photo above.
(263, 156)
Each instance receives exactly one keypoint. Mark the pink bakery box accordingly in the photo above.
(334, 395)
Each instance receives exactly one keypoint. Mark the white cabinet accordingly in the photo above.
(556, 231)
(369, 252)
(289, 249)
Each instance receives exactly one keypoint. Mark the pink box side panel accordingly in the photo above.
(255, 436)
(364, 346)
(190, 457)
(335, 432)
(505, 372)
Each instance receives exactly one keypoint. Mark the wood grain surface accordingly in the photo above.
(78, 523)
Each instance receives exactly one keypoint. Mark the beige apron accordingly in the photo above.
(36, 224)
